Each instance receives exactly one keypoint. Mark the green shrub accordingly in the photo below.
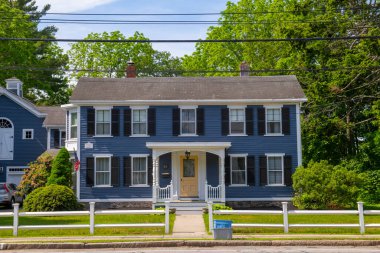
(221, 207)
(61, 169)
(371, 187)
(51, 198)
(323, 186)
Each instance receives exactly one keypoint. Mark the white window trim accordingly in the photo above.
(237, 156)
(146, 161)
(282, 167)
(230, 121)
(195, 119)
(69, 128)
(266, 120)
(109, 164)
(133, 108)
(107, 108)
(24, 134)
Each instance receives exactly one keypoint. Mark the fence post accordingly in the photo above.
(361, 217)
(210, 218)
(206, 191)
(285, 216)
(16, 207)
(92, 217)
(167, 216)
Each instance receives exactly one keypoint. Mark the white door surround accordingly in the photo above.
(6, 139)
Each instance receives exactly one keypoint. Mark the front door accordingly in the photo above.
(189, 177)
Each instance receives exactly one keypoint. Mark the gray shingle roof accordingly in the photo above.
(188, 88)
(56, 115)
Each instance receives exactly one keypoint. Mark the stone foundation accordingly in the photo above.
(258, 205)
(132, 205)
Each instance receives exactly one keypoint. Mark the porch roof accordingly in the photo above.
(160, 148)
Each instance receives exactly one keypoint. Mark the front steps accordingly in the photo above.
(186, 205)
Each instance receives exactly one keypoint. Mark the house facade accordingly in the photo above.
(225, 139)
(24, 131)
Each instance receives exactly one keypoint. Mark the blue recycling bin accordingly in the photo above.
(222, 230)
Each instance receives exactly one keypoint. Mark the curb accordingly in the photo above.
(184, 243)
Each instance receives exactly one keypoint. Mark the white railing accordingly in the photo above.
(91, 213)
(284, 212)
(165, 193)
(213, 193)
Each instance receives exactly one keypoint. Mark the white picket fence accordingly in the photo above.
(91, 213)
(285, 212)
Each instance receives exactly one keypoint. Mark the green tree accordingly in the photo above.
(36, 175)
(110, 59)
(321, 185)
(61, 169)
(48, 85)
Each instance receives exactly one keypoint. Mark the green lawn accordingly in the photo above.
(299, 219)
(100, 219)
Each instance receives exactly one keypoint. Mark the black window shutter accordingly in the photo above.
(200, 121)
(56, 138)
(89, 171)
(225, 121)
(127, 122)
(288, 170)
(176, 121)
(152, 121)
(90, 122)
(285, 120)
(115, 122)
(150, 170)
(251, 170)
(249, 121)
(115, 168)
(263, 170)
(261, 120)
(127, 171)
(227, 171)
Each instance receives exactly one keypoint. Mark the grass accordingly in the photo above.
(298, 219)
(75, 220)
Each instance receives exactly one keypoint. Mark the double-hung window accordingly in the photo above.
(238, 170)
(188, 121)
(102, 171)
(139, 170)
(103, 122)
(139, 121)
(273, 120)
(237, 121)
(73, 125)
(275, 170)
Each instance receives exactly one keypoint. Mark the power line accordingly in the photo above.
(192, 40)
(173, 71)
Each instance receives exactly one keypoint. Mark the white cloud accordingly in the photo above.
(71, 5)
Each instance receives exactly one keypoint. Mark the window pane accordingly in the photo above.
(238, 177)
(275, 177)
(237, 127)
(238, 163)
(139, 164)
(188, 168)
(139, 128)
(99, 116)
(102, 171)
(74, 119)
(73, 132)
(139, 171)
(275, 170)
(188, 128)
(188, 114)
(102, 164)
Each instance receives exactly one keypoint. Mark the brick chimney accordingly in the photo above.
(131, 70)
(244, 69)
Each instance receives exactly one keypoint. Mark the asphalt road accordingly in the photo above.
(223, 249)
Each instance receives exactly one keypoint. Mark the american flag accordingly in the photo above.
(76, 161)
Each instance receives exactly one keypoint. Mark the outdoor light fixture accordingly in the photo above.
(187, 154)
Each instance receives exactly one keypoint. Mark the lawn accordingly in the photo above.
(299, 219)
(75, 220)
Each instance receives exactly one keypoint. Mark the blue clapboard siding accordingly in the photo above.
(25, 151)
(253, 145)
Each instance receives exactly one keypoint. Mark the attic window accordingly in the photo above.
(27, 134)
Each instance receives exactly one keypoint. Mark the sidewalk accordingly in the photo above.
(189, 224)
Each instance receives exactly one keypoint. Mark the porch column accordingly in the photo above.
(221, 176)
(155, 176)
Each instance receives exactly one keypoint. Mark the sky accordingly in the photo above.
(152, 31)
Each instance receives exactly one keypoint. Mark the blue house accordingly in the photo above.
(26, 131)
(149, 140)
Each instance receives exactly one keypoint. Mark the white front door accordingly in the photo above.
(6, 140)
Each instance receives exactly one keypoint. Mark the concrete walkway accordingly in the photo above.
(189, 224)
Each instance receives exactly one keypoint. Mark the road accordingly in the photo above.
(285, 249)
